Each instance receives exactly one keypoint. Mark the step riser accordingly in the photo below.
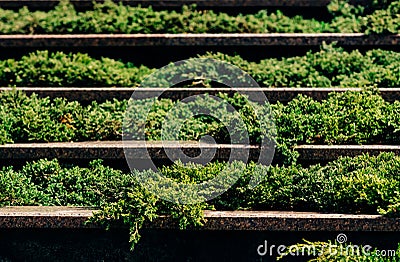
(87, 95)
(83, 4)
(114, 151)
(166, 245)
(194, 40)
(40, 232)
(74, 217)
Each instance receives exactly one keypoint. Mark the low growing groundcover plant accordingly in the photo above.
(363, 184)
(329, 67)
(109, 17)
(343, 118)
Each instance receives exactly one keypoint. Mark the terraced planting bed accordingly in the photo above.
(86, 95)
(196, 40)
(333, 121)
(45, 4)
(330, 67)
(188, 31)
(109, 17)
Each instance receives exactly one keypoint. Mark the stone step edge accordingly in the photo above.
(101, 94)
(52, 217)
(177, 3)
(189, 39)
(139, 149)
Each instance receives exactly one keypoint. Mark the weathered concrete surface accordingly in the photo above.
(136, 40)
(178, 3)
(75, 217)
(332, 152)
(101, 94)
(156, 150)
(115, 150)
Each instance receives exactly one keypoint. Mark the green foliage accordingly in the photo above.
(331, 66)
(109, 17)
(16, 189)
(346, 16)
(214, 120)
(386, 21)
(363, 184)
(343, 118)
(29, 118)
(58, 69)
(118, 196)
(376, 17)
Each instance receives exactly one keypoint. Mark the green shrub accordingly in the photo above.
(58, 69)
(17, 189)
(109, 17)
(363, 184)
(331, 66)
(343, 118)
(31, 119)
(118, 196)
(385, 21)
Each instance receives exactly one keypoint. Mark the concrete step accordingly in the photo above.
(59, 233)
(326, 153)
(114, 150)
(101, 94)
(75, 217)
(46, 4)
(197, 40)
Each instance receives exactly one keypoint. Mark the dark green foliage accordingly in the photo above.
(109, 17)
(386, 21)
(376, 17)
(118, 196)
(17, 189)
(363, 184)
(331, 66)
(58, 69)
(29, 118)
(344, 118)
